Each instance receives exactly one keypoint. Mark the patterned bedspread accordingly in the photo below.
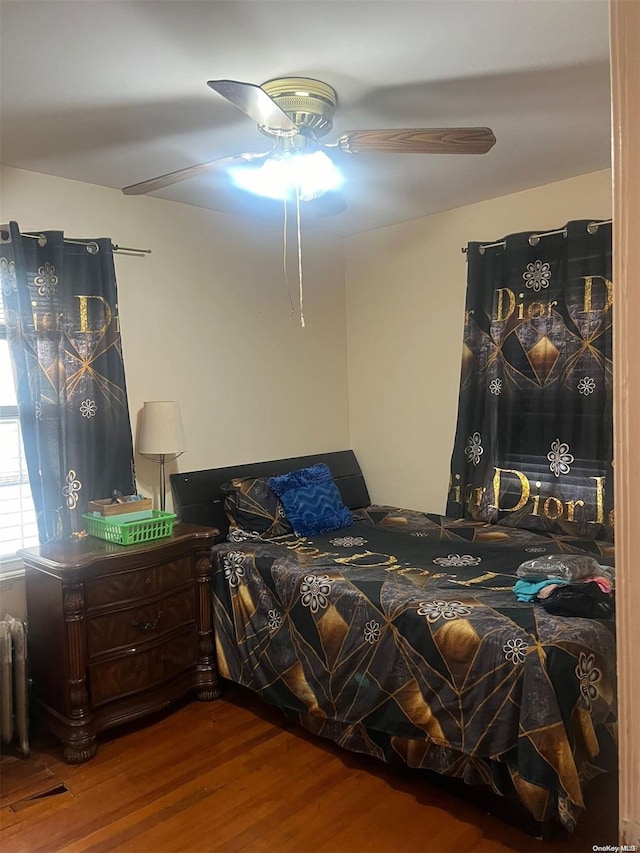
(400, 636)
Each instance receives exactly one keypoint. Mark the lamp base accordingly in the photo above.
(163, 458)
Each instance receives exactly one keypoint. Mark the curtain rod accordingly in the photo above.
(92, 246)
(534, 239)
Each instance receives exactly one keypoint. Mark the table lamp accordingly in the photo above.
(161, 436)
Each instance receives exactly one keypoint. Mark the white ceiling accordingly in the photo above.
(115, 92)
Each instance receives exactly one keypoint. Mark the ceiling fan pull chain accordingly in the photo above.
(299, 253)
(284, 258)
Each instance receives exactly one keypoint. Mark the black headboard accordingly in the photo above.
(198, 500)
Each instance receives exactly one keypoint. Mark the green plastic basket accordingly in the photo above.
(130, 532)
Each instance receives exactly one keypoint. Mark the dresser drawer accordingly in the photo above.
(137, 584)
(137, 671)
(142, 622)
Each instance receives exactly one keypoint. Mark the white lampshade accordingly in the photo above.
(161, 431)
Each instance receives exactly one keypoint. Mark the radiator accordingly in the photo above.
(14, 720)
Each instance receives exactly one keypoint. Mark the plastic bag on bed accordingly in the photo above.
(567, 567)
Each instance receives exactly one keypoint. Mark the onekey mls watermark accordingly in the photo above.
(615, 848)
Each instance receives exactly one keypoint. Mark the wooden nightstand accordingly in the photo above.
(116, 632)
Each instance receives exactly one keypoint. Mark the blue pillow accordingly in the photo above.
(311, 500)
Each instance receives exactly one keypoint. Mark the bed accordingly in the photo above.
(400, 636)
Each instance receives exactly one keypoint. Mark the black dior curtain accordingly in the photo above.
(61, 312)
(534, 438)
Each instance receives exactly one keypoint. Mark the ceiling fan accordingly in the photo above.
(295, 112)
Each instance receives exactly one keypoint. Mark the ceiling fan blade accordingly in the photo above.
(170, 178)
(255, 102)
(332, 203)
(418, 140)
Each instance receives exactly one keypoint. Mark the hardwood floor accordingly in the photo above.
(234, 775)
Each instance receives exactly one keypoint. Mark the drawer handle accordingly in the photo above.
(147, 626)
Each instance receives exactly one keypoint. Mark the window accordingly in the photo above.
(18, 527)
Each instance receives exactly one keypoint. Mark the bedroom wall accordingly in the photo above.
(405, 301)
(206, 320)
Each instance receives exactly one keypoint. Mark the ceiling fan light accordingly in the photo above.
(265, 180)
(313, 173)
